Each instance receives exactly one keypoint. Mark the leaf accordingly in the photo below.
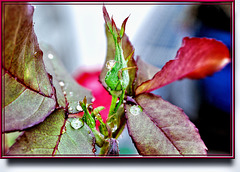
(145, 72)
(22, 57)
(77, 142)
(127, 50)
(28, 96)
(68, 91)
(197, 58)
(54, 136)
(159, 128)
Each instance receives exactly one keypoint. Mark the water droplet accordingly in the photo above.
(93, 99)
(61, 83)
(114, 128)
(76, 123)
(93, 150)
(35, 53)
(50, 56)
(79, 108)
(64, 130)
(70, 108)
(135, 110)
(110, 64)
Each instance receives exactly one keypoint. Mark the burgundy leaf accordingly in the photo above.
(197, 58)
(159, 128)
(145, 71)
(22, 58)
(68, 91)
(55, 136)
(28, 95)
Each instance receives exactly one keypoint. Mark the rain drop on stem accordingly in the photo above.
(94, 150)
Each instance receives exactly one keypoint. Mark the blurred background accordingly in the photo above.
(76, 32)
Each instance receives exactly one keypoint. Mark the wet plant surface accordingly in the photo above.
(58, 116)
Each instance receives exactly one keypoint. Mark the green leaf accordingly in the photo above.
(159, 128)
(28, 96)
(54, 136)
(68, 91)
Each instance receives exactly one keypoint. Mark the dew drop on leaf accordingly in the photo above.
(79, 108)
(64, 130)
(110, 64)
(50, 56)
(135, 110)
(70, 109)
(71, 93)
(76, 123)
(61, 83)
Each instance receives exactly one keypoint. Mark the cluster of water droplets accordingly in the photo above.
(135, 110)
(77, 123)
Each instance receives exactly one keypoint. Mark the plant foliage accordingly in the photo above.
(40, 96)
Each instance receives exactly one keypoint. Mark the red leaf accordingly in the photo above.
(197, 58)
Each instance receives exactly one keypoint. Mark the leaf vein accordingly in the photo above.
(166, 135)
(20, 82)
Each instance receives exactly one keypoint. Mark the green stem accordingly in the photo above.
(120, 101)
(113, 105)
(104, 148)
(99, 138)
